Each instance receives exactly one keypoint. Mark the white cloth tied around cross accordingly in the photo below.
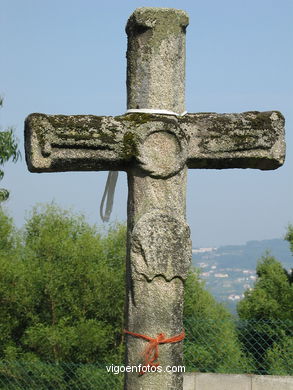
(109, 191)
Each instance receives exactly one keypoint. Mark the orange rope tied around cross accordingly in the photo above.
(151, 352)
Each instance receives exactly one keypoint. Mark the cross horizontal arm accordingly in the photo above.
(56, 143)
(247, 140)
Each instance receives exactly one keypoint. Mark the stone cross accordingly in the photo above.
(155, 145)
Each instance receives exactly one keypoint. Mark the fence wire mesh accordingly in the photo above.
(258, 347)
(263, 347)
(23, 375)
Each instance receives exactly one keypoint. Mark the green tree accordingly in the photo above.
(61, 291)
(7, 234)
(280, 357)
(62, 297)
(272, 296)
(267, 318)
(77, 276)
(12, 287)
(211, 344)
(8, 150)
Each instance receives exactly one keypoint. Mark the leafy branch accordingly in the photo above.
(8, 150)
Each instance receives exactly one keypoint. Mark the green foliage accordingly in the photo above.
(199, 303)
(91, 377)
(11, 285)
(280, 357)
(79, 276)
(272, 295)
(7, 233)
(64, 292)
(36, 375)
(267, 314)
(8, 147)
(8, 150)
(211, 341)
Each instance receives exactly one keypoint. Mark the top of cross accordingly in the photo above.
(156, 59)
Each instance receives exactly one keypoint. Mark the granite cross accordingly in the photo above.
(155, 144)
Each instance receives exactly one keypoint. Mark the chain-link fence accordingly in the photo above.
(263, 347)
(225, 346)
(23, 375)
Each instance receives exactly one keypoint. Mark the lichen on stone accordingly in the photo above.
(129, 148)
(137, 118)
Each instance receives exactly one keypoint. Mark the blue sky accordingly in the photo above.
(68, 57)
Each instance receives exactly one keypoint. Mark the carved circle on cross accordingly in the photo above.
(162, 149)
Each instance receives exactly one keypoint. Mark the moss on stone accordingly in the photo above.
(75, 123)
(163, 22)
(79, 127)
(262, 120)
(37, 121)
(129, 149)
(138, 118)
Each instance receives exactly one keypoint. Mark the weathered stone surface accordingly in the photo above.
(222, 382)
(160, 246)
(205, 381)
(205, 140)
(159, 250)
(76, 142)
(156, 59)
(247, 140)
(271, 382)
(189, 381)
(154, 308)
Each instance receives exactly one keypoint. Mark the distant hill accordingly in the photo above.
(229, 270)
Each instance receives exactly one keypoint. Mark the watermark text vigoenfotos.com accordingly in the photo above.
(143, 369)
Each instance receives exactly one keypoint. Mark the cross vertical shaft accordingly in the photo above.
(159, 251)
(159, 246)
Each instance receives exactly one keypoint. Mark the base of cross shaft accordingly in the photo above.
(158, 257)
